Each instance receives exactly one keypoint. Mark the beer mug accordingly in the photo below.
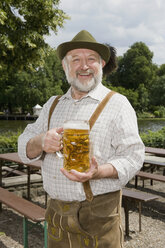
(76, 145)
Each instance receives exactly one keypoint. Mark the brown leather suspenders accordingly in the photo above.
(94, 117)
(52, 108)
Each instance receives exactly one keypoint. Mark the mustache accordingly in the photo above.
(86, 72)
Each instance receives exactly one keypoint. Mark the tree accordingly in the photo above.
(53, 71)
(143, 98)
(136, 67)
(27, 88)
(23, 25)
(161, 70)
(157, 94)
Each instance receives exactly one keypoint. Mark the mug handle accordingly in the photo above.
(59, 154)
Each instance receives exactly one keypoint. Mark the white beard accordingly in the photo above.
(87, 86)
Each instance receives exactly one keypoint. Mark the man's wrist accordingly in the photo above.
(35, 146)
(106, 171)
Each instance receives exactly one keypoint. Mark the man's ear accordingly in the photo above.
(63, 65)
(103, 63)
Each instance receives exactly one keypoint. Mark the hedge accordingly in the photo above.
(154, 139)
(8, 141)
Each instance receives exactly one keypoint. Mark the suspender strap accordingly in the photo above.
(94, 117)
(99, 109)
(52, 108)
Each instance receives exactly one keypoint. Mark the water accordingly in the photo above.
(144, 125)
(14, 126)
(150, 124)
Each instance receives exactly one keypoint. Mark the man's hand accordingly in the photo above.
(52, 140)
(95, 172)
(49, 142)
(82, 176)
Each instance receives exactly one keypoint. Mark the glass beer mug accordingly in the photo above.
(76, 145)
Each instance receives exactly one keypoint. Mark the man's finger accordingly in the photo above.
(59, 130)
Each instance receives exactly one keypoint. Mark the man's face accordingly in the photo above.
(83, 68)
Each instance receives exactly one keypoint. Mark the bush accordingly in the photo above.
(160, 112)
(154, 139)
(8, 142)
(145, 115)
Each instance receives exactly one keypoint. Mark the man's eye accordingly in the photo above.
(75, 60)
(91, 59)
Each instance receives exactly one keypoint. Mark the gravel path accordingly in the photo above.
(153, 224)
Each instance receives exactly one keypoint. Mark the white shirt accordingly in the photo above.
(114, 137)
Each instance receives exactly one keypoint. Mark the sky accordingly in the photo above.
(119, 23)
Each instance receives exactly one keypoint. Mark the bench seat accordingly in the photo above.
(29, 210)
(147, 175)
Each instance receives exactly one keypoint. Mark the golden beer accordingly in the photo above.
(76, 146)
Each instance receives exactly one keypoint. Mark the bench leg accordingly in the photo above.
(46, 199)
(25, 232)
(1, 163)
(126, 211)
(28, 183)
(45, 235)
(136, 181)
(140, 211)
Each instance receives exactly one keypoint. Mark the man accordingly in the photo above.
(73, 220)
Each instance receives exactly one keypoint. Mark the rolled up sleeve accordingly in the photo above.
(32, 130)
(128, 146)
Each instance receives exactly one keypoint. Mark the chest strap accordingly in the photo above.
(92, 120)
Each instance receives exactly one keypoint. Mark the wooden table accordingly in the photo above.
(154, 161)
(13, 157)
(130, 196)
(156, 151)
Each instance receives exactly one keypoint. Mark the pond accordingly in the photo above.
(12, 125)
(150, 124)
(144, 125)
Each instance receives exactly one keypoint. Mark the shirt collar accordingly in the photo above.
(98, 93)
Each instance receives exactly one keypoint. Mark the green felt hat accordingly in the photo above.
(84, 40)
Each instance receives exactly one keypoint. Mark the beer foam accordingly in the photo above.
(76, 124)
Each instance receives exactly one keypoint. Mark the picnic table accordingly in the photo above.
(156, 151)
(154, 158)
(154, 164)
(13, 157)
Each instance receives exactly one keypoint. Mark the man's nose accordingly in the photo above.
(84, 65)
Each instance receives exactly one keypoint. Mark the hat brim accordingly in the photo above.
(101, 49)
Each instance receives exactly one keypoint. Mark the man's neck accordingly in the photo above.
(77, 94)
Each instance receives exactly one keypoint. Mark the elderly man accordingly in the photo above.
(84, 209)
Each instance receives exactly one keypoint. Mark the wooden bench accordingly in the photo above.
(131, 196)
(147, 175)
(29, 210)
(156, 151)
(14, 158)
(154, 164)
(9, 171)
